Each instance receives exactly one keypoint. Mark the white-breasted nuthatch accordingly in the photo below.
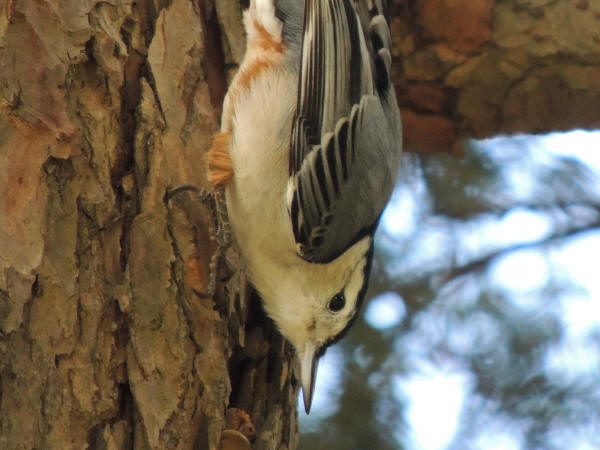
(308, 155)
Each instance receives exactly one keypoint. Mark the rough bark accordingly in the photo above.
(105, 341)
(479, 68)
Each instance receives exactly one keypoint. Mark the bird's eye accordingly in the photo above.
(337, 302)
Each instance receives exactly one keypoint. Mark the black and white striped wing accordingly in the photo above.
(346, 138)
(332, 73)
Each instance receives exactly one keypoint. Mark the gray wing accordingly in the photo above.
(346, 137)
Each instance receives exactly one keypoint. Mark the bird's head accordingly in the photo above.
(314, 305)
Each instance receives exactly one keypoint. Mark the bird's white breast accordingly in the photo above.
(259, 150)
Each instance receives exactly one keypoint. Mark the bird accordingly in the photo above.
(308, 154)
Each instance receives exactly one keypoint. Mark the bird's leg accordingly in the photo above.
(218, 228)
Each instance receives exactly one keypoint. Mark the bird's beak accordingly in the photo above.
(308, 373)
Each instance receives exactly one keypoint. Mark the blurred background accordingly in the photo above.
(481, 328)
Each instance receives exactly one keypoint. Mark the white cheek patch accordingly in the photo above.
(356, 281)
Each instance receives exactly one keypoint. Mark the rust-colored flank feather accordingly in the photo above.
(252, 71)
(267, 41)
(220, 167)
(271, 51)
(267, 51)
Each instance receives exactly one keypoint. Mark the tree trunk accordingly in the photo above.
(478, 68)
(106, 340)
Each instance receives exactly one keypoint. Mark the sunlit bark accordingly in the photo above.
(104, 341)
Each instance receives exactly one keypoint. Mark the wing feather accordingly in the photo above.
(346, 138)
